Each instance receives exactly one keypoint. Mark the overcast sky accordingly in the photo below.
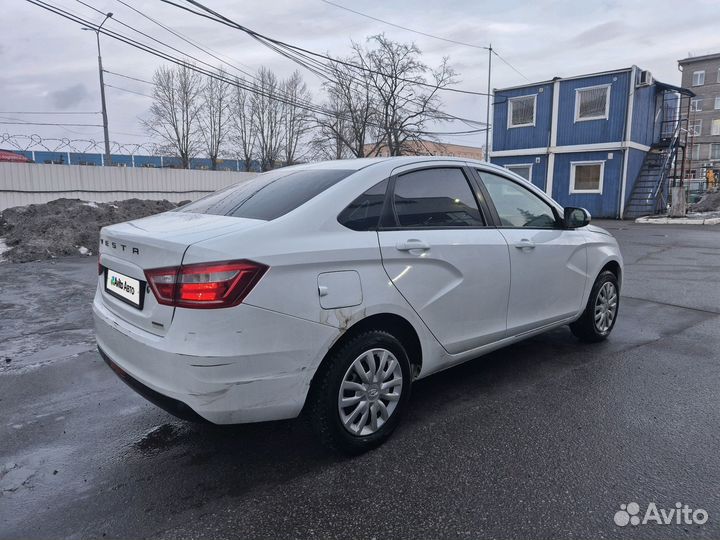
(49, 64)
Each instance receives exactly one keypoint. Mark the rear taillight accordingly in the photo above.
(211, 285)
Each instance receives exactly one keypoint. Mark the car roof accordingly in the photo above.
(356, 164)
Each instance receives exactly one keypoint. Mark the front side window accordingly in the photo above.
(521, 111)
(715, 151)
(363, 214)
(517, 206)
(695, 128)
(435, 198)
(717, 102)
(268, 195)
(592, 103)
(698, 78)
(521, 170)
(696, 104)
(586, 177)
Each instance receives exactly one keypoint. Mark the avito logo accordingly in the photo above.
(682, 514)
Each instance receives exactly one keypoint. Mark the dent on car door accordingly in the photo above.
(450, 267)
(548, 262)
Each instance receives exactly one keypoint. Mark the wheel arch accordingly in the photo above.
(396, 324)
(613, 266)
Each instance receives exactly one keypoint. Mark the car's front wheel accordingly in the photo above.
(360, 392)
(598, 319)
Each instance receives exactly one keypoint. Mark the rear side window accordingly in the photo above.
(435, 198)
(363, 214)
(269, 195)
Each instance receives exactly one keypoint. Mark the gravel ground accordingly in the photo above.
(65, 226)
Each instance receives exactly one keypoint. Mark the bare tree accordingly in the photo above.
(405, 104)
(296, 119)
(215, 117)
(175, 111)
(352, 108)
(267, 117)
(332, 132)
(244, 134)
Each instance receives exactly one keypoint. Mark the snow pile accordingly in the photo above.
(710, 202)
(65, 226)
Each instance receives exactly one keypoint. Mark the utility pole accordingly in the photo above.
(108, 157)
(487, 112)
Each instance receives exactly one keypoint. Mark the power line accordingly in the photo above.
(427, 35)
(50, 112)
(206, 50)
(510, 65)
(128, 91)
(128, 77)
(168, 57)
(276, 44)
(405, 27)
(48, 124)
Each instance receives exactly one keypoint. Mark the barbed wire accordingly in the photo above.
(38, 143)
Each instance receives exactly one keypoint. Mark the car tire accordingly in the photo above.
(601, 311)
(346, 430)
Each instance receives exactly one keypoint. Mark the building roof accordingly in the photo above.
(550, 81)
(691, 59)
(661, 85)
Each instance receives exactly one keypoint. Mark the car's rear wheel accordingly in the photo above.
(598, 319)
(360, 392)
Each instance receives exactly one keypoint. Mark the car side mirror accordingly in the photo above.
(575, 217)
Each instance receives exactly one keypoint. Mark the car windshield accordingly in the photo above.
(269, 195)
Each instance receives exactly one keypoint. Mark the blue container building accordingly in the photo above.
(609, 142)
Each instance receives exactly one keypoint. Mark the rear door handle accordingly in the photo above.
(411, 244)
(525, 244)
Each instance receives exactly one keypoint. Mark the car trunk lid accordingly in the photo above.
(128, 249)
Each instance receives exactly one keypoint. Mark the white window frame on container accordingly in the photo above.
(696, 104)
(715, 151)
(698, 78)
(715, 127)
(529, 166)
(574, 165)
(578, 93)
(509, 111)
(691, 128)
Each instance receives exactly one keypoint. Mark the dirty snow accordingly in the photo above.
(3, 248)
(65, 226)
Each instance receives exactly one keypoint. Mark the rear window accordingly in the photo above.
(268, 195)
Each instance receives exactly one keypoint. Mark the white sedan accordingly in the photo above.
(329, 288)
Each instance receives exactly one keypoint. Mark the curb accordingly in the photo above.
(678, 221)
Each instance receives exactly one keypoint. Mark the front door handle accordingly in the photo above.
(525, 244)
(411, 244)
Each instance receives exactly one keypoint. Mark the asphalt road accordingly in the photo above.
(545, 439)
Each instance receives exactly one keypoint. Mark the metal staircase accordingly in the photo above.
(649, 194)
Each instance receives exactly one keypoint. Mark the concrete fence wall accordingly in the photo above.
(23, 183)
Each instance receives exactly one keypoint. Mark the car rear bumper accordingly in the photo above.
(227, 366)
